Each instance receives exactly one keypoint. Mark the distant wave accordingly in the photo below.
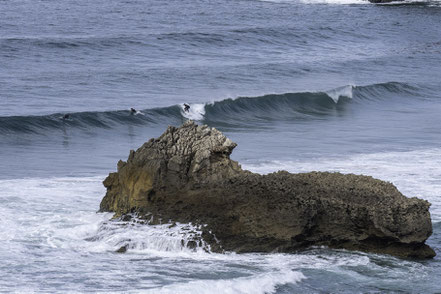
(430, 3)
(435, 3)
(267, 282)
(320, 1)
(242, 111)
(86, 120)
(63, 42)
(255, 35)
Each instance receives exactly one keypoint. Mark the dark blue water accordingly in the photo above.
(339, 85)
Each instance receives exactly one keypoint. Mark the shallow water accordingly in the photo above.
(328, 85)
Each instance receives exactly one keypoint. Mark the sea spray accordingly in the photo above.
(345, 91)
(138, 236)
(241, 110)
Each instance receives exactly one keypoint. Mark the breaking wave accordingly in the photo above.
(432, 3)
(79, 241)
(228, 112)
(262, 283)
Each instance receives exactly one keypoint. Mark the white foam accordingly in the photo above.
(345, 91)
(196, 112)
(398, 2)
(432, 3)
(51, 201)
(415, 173)
(336, 2)
(140, 238)
(52, 228)
(61, 213)
(261, 283)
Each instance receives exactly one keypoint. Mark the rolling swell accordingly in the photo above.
(85, 120)
(260, 35)
(288, 106)
(242, 111)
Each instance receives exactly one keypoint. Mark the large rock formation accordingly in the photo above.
(186, 175)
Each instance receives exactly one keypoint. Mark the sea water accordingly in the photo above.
(300, 85)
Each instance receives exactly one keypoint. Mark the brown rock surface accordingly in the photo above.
(186, 175)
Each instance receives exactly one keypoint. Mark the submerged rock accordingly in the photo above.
(186, 175)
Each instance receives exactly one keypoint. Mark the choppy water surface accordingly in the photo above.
(330, 85)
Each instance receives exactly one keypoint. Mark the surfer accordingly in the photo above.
(186, 107)
(133, 110)
(66, 116)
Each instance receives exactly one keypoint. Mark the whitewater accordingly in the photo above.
(67, 248)
(300, 85)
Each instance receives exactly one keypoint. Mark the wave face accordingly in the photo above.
(85, 120)
(241, 111)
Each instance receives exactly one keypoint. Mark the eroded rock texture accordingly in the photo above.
(186, 175)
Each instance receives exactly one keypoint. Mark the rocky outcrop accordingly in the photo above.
(186, 175)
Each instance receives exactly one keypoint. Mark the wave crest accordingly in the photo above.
(228, 112)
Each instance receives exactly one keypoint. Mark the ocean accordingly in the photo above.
(300, 85)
